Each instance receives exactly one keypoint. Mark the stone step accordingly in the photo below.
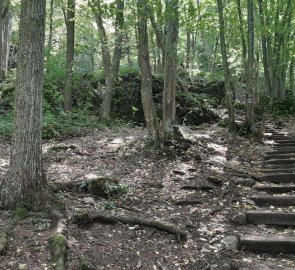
(280, 200)
(270, 244)
(279, 178)
(284, 150)
(283, 145)
(275, 188)
(280, 161)
(279, 156)
(282, 166)
(271, 218)
(271, 170)
(279, 137)
(266, 267)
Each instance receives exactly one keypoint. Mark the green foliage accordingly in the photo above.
(7, 90)
(280, 108)
(20, 213)
(188, 99)
(125, 71)
(6, 123)
(285, 107)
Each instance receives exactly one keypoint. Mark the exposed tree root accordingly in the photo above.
(85, 218)
(188, 202)
(58, 246)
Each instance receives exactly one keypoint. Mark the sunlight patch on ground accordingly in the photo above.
(218, 148)
(4, 162)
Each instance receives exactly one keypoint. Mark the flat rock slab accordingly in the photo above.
(271, 244)
(275, 188)
(279, 178)
(283, 200)
(271, 218)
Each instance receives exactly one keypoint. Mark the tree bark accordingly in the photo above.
(146, 73)
(25, 183)
(49, 42)
(170, 72)
(70, 54)
(227, 83)
(111, 80)
(265, 54)
(5, 35)
(111, 66)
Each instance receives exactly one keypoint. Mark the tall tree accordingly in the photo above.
(25, 183)
(111, 64)
(69, 15)
(49, 42)
(146, 73)
(170, 70)
(250, 71)
(5, 34)
(227, 83)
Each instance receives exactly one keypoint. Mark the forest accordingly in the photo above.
(147, 134)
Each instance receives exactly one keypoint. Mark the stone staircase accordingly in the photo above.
(275, 200)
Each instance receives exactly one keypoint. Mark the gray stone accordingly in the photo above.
(88, 200)
(240, 219)
(247, 182)
(231, 243)
(226, 266)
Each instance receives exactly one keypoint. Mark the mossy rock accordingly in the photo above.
(83, 264)
(58, 249)
(3, 243)
(102, 186)
(57, 201)
(82, 218)
(62, 147)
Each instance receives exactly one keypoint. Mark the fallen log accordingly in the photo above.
(85, 218)
(58, 246)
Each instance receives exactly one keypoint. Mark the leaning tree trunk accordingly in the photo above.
(170, 71)
(146, 74)
(227, 83)
(5, 35)
(25, 183)
(70, 53)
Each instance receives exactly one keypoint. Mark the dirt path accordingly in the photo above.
(155, 184)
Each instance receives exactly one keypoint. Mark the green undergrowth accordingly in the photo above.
(63, 124)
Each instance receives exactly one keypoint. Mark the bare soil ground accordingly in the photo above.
(152, 181)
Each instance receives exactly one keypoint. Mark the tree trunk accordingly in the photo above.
(49, 42)
(170, 72)
(5, 34)
(25, 183)
(111, 67)
(188, 50)
(111, 80)
(159, 34)
(146, 74)
(292, 77)
(265, 54)
(227, 83)
(70, 53)
(250, 68)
